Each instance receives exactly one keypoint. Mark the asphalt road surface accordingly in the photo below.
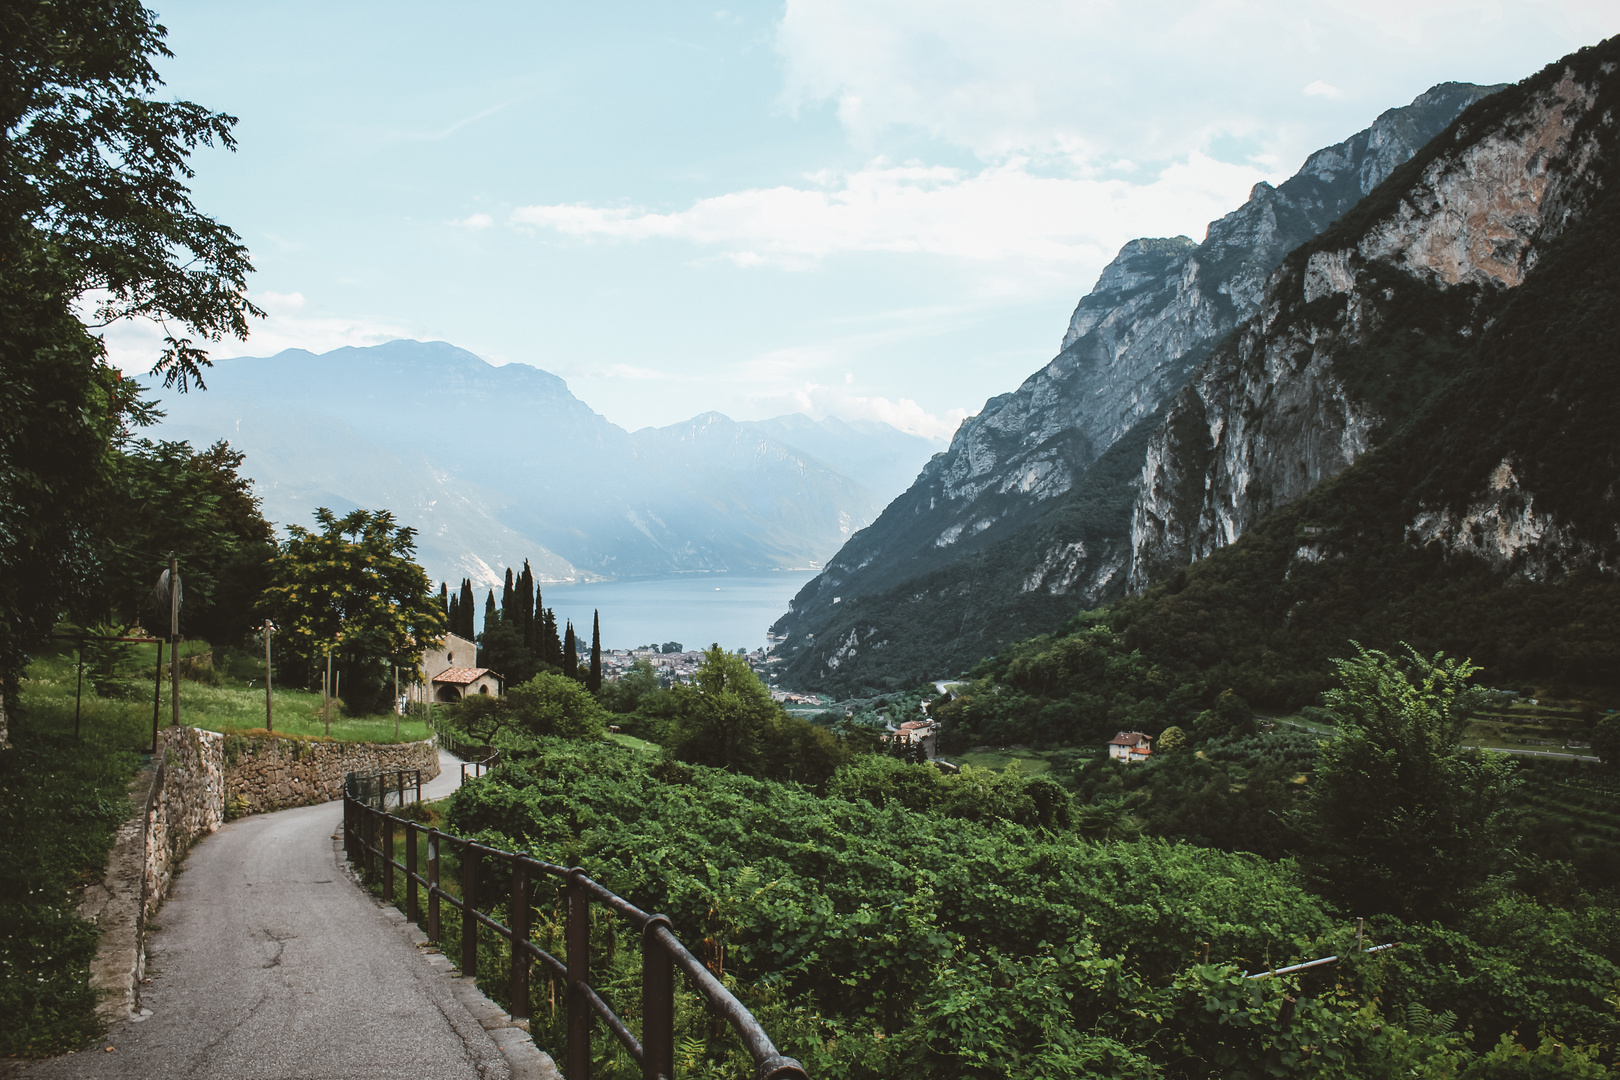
(270, 964)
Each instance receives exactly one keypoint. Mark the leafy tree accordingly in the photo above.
(722, 714)
(625, 694)
(1399, 819)
(354, 587)
(545, 705)
(1171, 738)
(165, 497)
(93, 200)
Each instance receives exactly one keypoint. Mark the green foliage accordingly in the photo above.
(354, 588)
(546, 705)
(1400, 820)
(1606, 740)
(877, 932)
(625, 694)
(61, 798)
(726, 719)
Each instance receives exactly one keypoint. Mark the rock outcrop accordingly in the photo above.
(1005, 493)
(1301, 390)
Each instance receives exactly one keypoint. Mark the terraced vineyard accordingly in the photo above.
(1534, 724)
(1572, 811)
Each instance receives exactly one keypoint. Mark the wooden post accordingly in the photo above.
(469, 920)
(387, 846)
(657, 1003)
(412, 909)
(157, 694)
(174, 636)
(396, 702)
(433, 886)
(269, 717)
(518, 915)
(578, 934)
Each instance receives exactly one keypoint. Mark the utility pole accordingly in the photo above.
(174, 635)
(269, 717)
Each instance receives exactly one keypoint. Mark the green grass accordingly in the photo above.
(61, 799)
(1030, 762)
(634, 743)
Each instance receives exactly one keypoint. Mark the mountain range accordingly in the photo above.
(497, 464)
(1202, 389)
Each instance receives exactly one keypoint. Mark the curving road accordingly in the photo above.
(270, 964)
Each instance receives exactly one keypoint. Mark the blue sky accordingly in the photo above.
(853, 208)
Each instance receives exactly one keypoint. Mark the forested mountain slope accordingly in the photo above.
(1027, 516)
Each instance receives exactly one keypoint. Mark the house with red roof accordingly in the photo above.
(1130, 746)
(452, 671)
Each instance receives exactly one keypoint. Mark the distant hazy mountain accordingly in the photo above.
(497, 464)
(883, 458)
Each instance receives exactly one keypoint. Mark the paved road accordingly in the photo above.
(270, 964)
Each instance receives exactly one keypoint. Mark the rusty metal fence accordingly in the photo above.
(369, 833)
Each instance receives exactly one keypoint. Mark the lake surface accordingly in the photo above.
(697, 610)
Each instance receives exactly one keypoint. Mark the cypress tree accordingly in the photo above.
(467, 609)
(593, 681)
(570, 651)
(455, 615)
(509, 599)
(526, 606)
(490, 611)
(550, 647)
(444, 597)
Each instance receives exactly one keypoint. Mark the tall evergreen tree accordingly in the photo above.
(444, 599)
(467, 610)
(509, 599)
(491, 612)
(454, 613)
(526, 606)
(551, 650)
(593, 681)
(570, 653)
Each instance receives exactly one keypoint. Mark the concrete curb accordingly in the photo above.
(525, 1060)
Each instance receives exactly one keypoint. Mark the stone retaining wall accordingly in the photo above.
(181, 798)
(271, 773)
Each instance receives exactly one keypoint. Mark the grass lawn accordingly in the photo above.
(634, 743)
(61, 799)
(1030, 762)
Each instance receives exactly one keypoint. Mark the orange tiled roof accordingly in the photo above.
(461, 675)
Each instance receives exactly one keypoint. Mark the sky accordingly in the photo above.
(857, 208)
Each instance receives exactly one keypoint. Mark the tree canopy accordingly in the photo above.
(354, 587)
(93, 206)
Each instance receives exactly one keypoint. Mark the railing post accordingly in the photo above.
(518, 918)
(412, 910)
(400, 776)
(579, 974)
(418, 785)
(433, 885)
(657, 1003)
(469, 901)
(387, 846)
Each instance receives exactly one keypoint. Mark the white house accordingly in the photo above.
(1130, 746)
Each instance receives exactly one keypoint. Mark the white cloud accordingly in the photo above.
(1009, 214)
(475, 221)
(1322, 89)
(1147, 80)
(820, 401)
(134, 345)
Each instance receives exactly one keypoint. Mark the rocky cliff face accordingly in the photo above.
(1300, 391)
(999, 493)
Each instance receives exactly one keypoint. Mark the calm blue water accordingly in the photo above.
(696, 610)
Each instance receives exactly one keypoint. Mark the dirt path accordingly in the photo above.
(271, 964)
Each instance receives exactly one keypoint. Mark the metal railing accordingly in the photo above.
(385, 787)
(480, 758)
(368, 836)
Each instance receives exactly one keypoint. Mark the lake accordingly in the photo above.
(696, 610)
